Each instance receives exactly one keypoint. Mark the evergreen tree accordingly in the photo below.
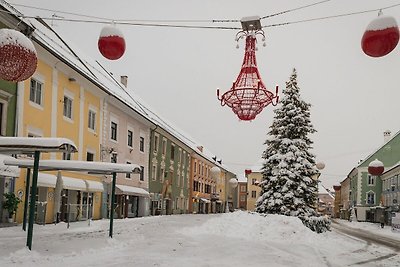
(288, 187)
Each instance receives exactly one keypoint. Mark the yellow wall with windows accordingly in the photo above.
(91, 138)
(68, 128)
(37, 120)
(38, 116)
(251, 201)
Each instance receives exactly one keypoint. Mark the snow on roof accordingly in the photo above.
(8, 171)
(370, 155)
(323, 190)
(94, 186)
(27, 144)
(131, 190)
(242, 179)
(73, 183)
(46, 180)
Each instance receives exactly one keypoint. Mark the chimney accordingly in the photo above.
(124, 80)
(200, 148)
(386, 136)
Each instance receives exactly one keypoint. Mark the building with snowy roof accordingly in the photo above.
(71, 95)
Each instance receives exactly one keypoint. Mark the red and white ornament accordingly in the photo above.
(18, 57)
(376, 167)
(111, 43)
(380, 37)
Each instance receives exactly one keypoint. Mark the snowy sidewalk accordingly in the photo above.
(223, 240)
(371, 227)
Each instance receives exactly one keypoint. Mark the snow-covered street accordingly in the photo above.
(232, 239)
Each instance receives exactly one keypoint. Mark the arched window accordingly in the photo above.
(370, 198)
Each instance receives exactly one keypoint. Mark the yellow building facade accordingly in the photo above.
(253, 189)
(59, 102)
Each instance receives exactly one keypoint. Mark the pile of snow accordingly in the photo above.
(253, 226)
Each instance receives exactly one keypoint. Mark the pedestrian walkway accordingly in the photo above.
(7, 224)
(371, 233)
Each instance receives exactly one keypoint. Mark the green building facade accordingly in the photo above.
(169, 174)
(366, 189)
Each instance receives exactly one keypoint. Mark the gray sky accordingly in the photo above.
(176, 71)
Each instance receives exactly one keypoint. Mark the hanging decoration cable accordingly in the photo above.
(168, 23)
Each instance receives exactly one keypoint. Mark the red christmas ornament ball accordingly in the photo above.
(376, 167)
(18, 58)
(111, 43)
(380, 37)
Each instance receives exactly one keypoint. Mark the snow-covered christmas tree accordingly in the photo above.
(289, 184)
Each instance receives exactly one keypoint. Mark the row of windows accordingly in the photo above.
(202, 169)
(162, 174)
(181, 154)
(203, 188)
(114, 136)
(391, 199)
(391, 184)
(36, 97)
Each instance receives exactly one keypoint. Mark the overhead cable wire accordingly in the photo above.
(99, 20)
(329, 17)
(275, 14)
(135, 24)
(294, 9)
(111, 19)
(62, 12)
(169, 21)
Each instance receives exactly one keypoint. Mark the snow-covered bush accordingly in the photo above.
(317, 224)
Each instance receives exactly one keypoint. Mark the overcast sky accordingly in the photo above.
(354, 98)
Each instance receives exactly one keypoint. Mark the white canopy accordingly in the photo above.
(8, 171)
(131, 190)
(205, 200)
(50, 180)
(46, 180)
(94, 186)
(75, 165)
(73, 183)
(18, 145)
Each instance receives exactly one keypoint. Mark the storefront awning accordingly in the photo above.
(73, 183)
(94, 186)
(205, 200)
(131, 190)
(8, 171)
(46, 180)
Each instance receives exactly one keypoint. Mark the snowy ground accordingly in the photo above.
(233, 239)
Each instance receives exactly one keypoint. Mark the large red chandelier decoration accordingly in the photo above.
(248, 95)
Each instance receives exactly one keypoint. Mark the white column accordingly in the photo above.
(54, 106)
(81, 122)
